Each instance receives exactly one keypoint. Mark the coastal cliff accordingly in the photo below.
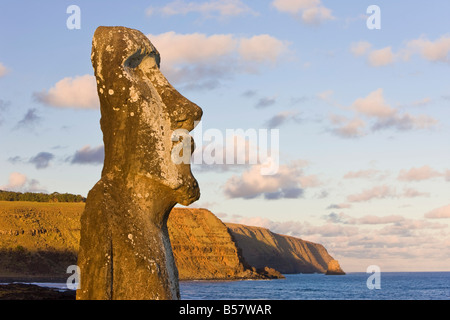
(262, 247)
(204, 249)
(40, 240)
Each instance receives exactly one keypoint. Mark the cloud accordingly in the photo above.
(373, 105)
(413, 193)
(378, 192)
(265, 102)
(361, 174)
(262, 48)
(435, 51)
(339, 206)
(3, 70)
(3, 107)
(360, 48)
(16, 181)
(240, 149)
(310, 12)
(422, 102)
(405, 122)
(88, 155)
(29, 120)
(210, 9)
(418, 174)
(371, 219)
(447, 175)
(383, 192)
(42, 160)
(289, 182)
(79, 92)
(19, 182)
(221, 56)
(281, 118)
(381, 57)
(348, 128)
(439, 213)
(382, 116)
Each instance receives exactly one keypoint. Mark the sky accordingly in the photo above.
(352, 104)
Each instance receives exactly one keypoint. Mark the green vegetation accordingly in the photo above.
(40, 197)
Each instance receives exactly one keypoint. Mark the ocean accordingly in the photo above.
(352, 286)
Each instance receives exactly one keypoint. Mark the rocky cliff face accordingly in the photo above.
(204, 249)
(261, 247)
(41, 240)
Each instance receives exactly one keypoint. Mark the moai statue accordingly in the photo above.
(125, 250)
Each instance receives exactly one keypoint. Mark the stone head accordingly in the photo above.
(141, 113)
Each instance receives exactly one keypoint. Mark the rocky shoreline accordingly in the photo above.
(24, 291)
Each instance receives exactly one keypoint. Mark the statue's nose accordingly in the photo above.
(187, 115)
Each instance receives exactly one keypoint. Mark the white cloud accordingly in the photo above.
(79, 92)
(369, 173)
(199, 58)
(413, 193)
(262, 48)
(378, 113)
(383, 192)
(439, 213)
(289, 182)
(16, 181)
(316, 15)
(294, 6)
(381, 57)
(310, 12)
(373, 105)
(208, 9)
(378, 192)
(348, 128)
(436, 51)
(19, 182)
(418, 174)
(3, 70)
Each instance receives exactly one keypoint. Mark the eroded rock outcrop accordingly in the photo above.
(204, 249)
(125, 250)
(334, 268)
(262, 247)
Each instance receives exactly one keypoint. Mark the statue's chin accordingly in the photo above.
(187, 199)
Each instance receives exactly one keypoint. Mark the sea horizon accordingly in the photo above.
(409, 285)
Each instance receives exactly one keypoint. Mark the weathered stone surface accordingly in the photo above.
(204, 249)
(334, 268)
(125, 250)
(262, 247)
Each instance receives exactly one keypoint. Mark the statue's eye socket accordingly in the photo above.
(136, 58)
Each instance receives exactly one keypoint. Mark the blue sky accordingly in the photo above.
(362, 114)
